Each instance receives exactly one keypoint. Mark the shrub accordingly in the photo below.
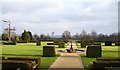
(96, 43)
(38, 43)
(61, 45)
(56, 41)
(32, 41)
(22, 42)
(16, 38)
(94, 51)
(88, 43)
(48, 51)
(65, 41)
(52, 44)
(108, 43)
(78, 41)
(117, 43)
(83, 44)
(9, 43)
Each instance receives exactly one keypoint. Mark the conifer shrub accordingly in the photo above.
(49, 51)
(94, 51)
(61, 45)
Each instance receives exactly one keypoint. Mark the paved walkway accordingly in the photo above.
(68, 61)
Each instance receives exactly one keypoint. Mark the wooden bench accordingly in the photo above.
(101, 63)
(34, 61)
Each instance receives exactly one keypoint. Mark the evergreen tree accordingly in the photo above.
(16, 38)
(31, 37)
(25, 36)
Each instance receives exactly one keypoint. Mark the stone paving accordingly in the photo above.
(68, 61)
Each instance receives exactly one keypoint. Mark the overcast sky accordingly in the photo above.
(47, 16)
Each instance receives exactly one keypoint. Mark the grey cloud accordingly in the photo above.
(54, 16)
(25, 7)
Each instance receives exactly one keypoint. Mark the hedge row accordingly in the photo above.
(83, 44)
(108, 43)
(22, 42)
(61, 45)
(38, 43)
(32, 41)
(52, 43)
(117, 43)
(9, 43)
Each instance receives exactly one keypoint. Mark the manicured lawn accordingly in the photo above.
(28, 50)
(46, 62)
(22, 49)
(31, 50)
(107, 51)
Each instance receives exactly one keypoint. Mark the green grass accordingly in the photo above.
(107, 51)
(22, 49)
(46, 62)
(28, 50)
(31, 50)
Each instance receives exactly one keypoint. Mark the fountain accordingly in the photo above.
(71, 50)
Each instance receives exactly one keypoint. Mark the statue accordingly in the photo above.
(71, 48)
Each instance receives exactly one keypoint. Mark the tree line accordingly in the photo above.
(66, 36)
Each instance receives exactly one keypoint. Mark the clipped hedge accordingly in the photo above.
(46, 40)
(58, 40)
(83, 44)
(61, 45)
(94, 51)
(65, 41)
(88, 43)
(78, 41)
(32, 41)
(9, 43)
(117, 43)
(108, 43)
(49, 51)
(52, 44)
(96, 43)
(22, 42)
(38, 43)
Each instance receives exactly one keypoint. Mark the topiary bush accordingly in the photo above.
(22, 42)
(52, 44)
(49, 51)
(83, 44)
(78, 41)
(9, 43)
(38, 43)
(108, 43)
(117, 43)
(65, 41)
(88, 43)
(61, 45)
(32, 41)
(94, 51)
(96, 43)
